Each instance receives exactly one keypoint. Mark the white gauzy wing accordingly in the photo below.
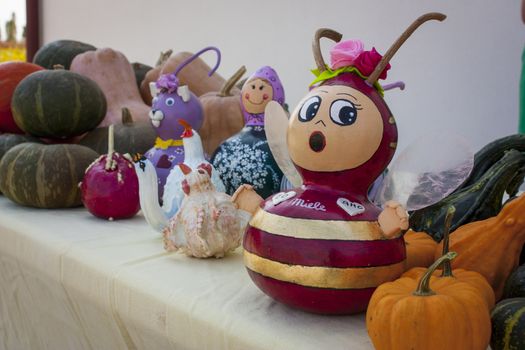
(426, 171)
(275, 125)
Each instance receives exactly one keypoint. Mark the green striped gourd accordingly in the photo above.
(57, 104)
(44, 176)
(60, 52)
(508, 325)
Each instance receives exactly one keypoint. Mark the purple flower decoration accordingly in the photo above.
(167, 83)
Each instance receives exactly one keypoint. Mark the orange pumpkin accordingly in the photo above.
(491, 247)
(408, 314)
(222, 114)
(420, 249)
(195, 75)
(151, 76)
(470, 277)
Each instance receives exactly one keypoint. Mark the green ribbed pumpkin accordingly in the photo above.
(44, 176)
(57, 104)
(8, 141)
(508, 325)
(60, 52)
(515, 284)
(130, 136)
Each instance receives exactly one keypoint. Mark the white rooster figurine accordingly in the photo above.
(208, 223)
(156, 215)
(193, 157)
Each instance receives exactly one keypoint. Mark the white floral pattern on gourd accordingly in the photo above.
(251, 159)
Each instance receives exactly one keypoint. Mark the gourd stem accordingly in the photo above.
(230, 83)
(163, 57)
(400, 41)
(447, 268)
(127, 119)
(111, 148)
(423, 287)
(316, 47)
(194, 56)
(58, 67)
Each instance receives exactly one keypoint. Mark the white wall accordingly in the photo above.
(461, 74)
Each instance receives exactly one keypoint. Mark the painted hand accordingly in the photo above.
(393, 220)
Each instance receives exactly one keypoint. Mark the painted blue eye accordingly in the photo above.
(343, 112)
(309, 109)
(170, 101)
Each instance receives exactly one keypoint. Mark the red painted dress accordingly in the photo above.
(320, 247)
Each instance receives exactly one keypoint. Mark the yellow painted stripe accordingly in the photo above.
(324, 277)
(164, 144)
(316, 229)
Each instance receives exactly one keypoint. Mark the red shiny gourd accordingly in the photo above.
(110, 188)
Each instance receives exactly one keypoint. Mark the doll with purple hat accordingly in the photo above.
(245, 158)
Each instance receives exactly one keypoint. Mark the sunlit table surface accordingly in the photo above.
(71, 281)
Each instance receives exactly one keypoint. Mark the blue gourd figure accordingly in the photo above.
(245, 158)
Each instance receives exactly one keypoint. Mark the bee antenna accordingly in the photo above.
(316, 47)
(400, 41)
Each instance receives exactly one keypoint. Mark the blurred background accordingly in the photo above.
(461, 75)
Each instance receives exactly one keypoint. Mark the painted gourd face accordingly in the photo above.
(169, 107)
(343, 127)
(256, 94)
(334, 128)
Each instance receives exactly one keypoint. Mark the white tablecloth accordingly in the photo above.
(71, 281)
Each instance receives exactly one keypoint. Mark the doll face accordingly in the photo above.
(256, 94)
(334, 128)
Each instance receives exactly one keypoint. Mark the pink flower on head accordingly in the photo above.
(344, 53)
(367, 62)
(167, 82)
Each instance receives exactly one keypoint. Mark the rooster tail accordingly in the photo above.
(149, 195)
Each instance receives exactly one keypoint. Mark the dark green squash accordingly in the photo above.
(508, 325)
(60, 52)
(490, 154)
(515, 284)
(44, 176)
(8, 141)
(479, 201)
(130, 137)
(140, 70)
(58, 104)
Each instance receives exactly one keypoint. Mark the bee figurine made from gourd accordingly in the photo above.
(324, 247)
(245, 158)
(173, 101)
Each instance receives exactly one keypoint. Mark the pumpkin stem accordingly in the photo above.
(230, 83)
(163, 57)
(127, 119)
(58, 67)
(316, 47)
(447, 268)
(111, 148)
(400, 41)
(423, 287)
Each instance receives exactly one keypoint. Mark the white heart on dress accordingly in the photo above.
(352, 208)
(283, 196)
